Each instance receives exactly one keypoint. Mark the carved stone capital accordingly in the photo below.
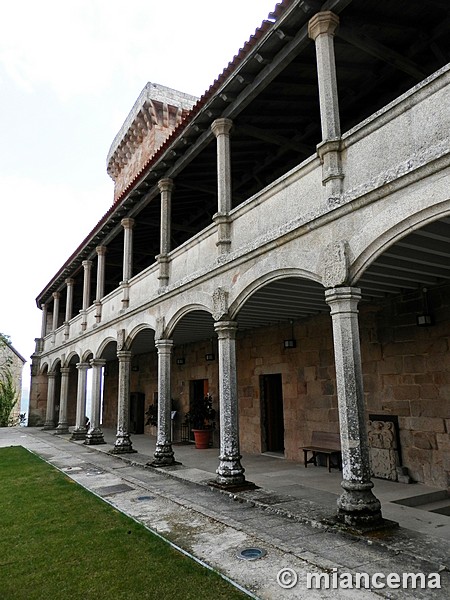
(335, 264)
(165, 185)
(221, 126)
(101, 250)
(127, 223)
(322, 22)
(69, 282)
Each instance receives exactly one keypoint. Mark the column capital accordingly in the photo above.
(221, 126)
(124, 355)
(164, 344)
(322, 22)
(56, 295)
(83, 366)
(226, 329)
(127, 223)
(101, 250)
(51, 374)
(69, 281)
(65, 370)
(343, 299)
(166, 185)
(87, 264)
(97, 362)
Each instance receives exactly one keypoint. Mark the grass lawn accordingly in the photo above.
(57, 540)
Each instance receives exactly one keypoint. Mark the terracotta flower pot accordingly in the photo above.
(202, 437)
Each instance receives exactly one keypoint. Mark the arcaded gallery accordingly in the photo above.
(277, 252)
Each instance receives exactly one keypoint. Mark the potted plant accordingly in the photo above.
(201, 419)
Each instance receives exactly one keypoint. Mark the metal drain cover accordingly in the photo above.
(251, 553)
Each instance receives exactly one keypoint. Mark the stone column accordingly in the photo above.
(127, 225)
(230, 471)
(321, 29)
(95, 435)
(87, 265)
(63, 426)
(221, 129)
(69, 305)
(100, 290)
(50, 416)
(163, 452)
(166, 188)
(123, 445)
(56, 296)
(357, 505)
(44, 320)
(79, 432)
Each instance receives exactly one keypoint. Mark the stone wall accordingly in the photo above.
(11, 360)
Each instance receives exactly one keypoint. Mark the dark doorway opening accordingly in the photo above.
(137, 412)
(272, 413)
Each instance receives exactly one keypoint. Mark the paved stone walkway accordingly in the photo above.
(213, 526)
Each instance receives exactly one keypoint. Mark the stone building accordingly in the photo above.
(281, 244)
(11, 359)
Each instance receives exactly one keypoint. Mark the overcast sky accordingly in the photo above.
(70, 71)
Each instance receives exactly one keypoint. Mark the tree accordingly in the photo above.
(8, 391)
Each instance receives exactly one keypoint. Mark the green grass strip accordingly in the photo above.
(59, 541)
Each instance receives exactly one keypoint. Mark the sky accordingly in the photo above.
(70, 72)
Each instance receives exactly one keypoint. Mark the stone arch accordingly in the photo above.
(181, 313)
(55, 364)
(44, 368)
(388, 238)
(69, 357)
(103, 345)
(85, 355)
(135, 332)
(264, 280)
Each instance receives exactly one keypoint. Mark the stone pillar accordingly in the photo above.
(44, 320)
(230, 471)
(127, 225)
(163, 452)
(221, 129)
(56, 296)
(100, 290)
(357, 506)
(50, 416)
(95, 435)
(166, 188)
(321, 29)
(79, 432)
(123, 445)
(69, 305)
(87, 265)
(63, 426)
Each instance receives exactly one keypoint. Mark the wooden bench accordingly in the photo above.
(325, 443)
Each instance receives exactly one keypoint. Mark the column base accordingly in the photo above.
(163, 456)
(62, 429)
(48, 425)
(357, 505)
(94, 437)
(78, 434)
(230, 471)
(122, 445)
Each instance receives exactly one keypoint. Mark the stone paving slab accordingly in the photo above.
(214, 526)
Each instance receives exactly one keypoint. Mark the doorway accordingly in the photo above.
(272, 413)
